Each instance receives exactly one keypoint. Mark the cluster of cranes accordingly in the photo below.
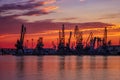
(90, 44)
(62, 47)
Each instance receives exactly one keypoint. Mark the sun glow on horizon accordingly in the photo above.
(53, 35)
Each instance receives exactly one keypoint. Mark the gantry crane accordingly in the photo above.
(93, 42)
(79, 38)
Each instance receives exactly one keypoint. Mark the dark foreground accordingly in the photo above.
(52, 52)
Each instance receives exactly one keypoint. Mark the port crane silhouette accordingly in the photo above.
(19, 43)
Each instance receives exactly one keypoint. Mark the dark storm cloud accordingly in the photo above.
(36, 12)
(8, 25)
(32, 7)
(17, 6)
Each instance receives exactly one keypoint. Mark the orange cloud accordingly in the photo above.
(49, 8)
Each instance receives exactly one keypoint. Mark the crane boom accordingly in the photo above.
(23, 31)
(90, 37)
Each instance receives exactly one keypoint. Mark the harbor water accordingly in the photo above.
(59, 67)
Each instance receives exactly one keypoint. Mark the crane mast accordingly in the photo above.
(23, 31)
(105, 37)
(63, 35)
(19, 43)
(61, 45)
(69, 40)
(79, 38)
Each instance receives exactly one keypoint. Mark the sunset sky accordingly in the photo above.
(44, 18)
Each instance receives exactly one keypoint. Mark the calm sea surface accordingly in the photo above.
(59, 68)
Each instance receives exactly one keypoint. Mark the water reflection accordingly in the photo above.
(60, 68)
(61, 63)
(39, 64)
(105, 62)
(92, 62)
(20, 67)
(79, 62)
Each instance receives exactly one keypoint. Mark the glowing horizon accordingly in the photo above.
(52, 35)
